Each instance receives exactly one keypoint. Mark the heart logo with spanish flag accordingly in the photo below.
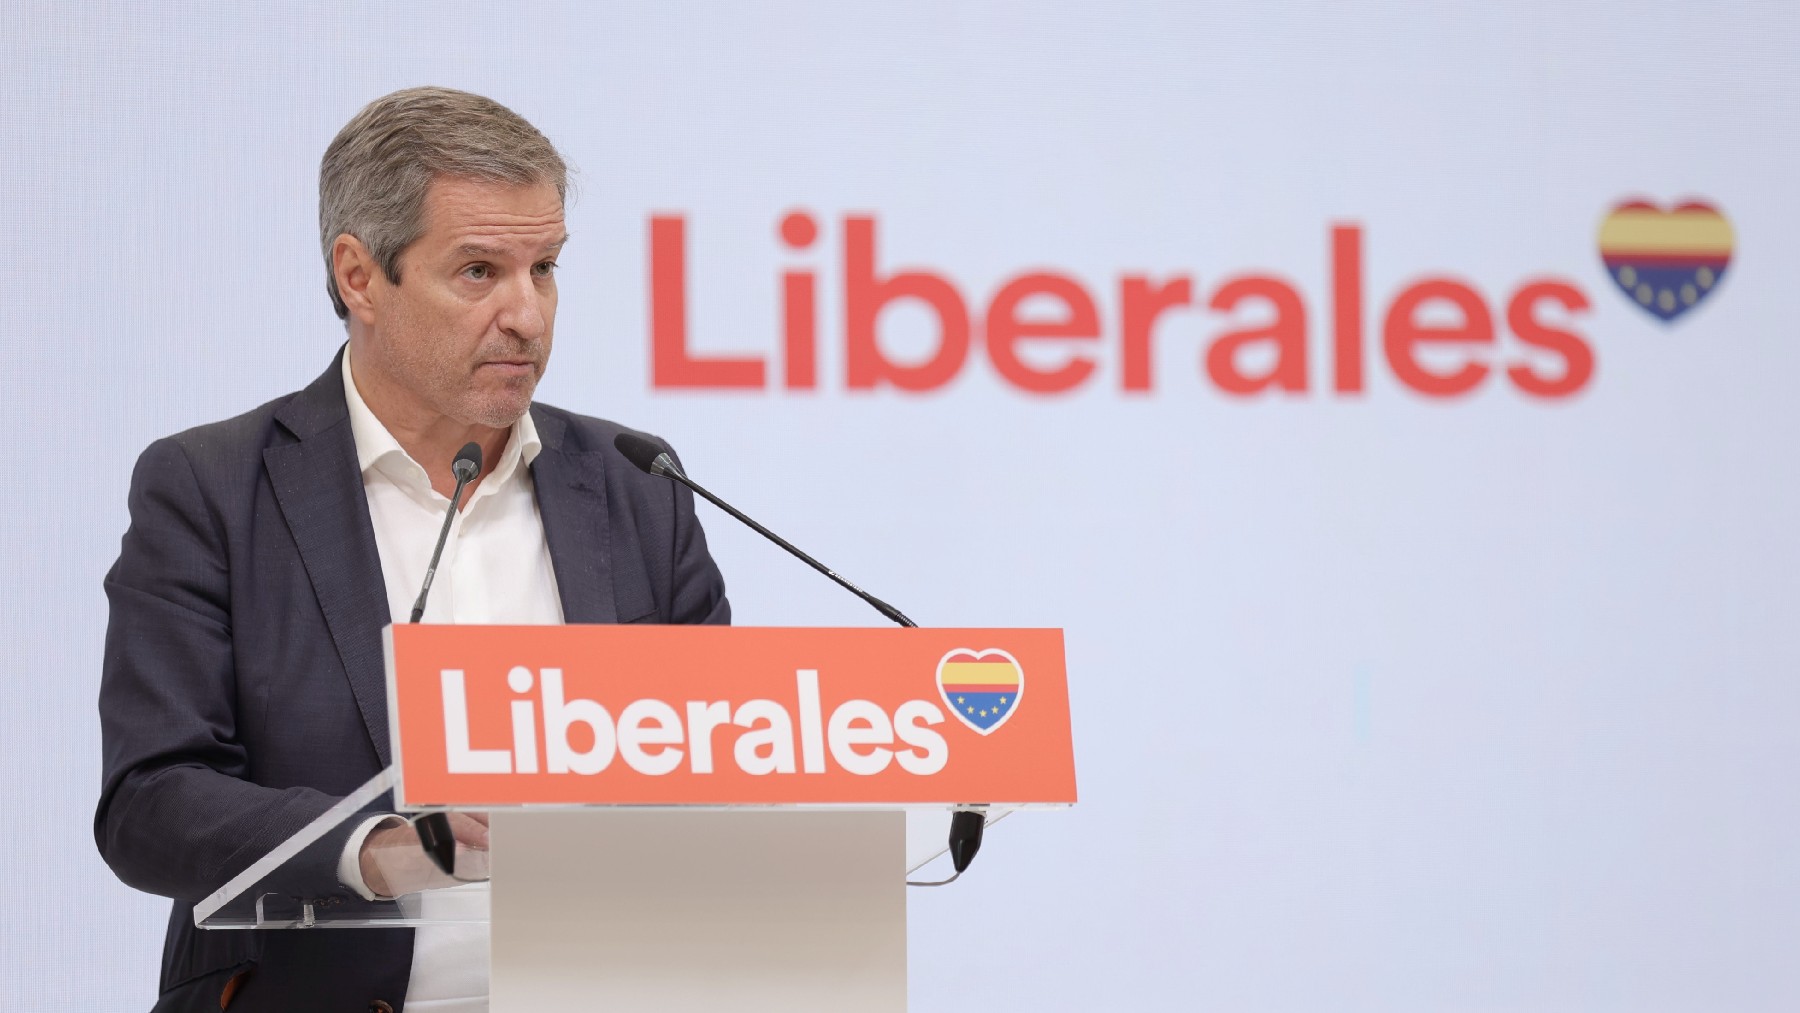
(982, 688)
(1666, 262)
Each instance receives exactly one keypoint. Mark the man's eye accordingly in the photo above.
(477, 272)
(545, 269)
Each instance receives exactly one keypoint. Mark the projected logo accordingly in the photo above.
(1666, 262)
(982, 688)
(1045, 331)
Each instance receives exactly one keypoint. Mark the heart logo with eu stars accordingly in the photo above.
(1666, 262)
(982, 688)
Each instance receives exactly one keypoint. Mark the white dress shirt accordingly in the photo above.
(495, 569)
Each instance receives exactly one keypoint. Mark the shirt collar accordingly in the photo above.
(376, 447)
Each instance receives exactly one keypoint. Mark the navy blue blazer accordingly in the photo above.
(243, 686)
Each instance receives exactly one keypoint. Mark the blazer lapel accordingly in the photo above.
(571, 495)
(320, 490)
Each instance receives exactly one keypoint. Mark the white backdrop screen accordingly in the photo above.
(1393, 402)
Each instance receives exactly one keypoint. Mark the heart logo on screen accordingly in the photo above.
(1666, 262)
(982, 688)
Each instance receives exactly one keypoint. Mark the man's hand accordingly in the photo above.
(393, 863)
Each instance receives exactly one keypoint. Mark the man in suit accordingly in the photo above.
(243, 690)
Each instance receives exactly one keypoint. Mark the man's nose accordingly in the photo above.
(524, 310)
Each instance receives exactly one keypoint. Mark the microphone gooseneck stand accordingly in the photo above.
(966, 823)
(433, 829)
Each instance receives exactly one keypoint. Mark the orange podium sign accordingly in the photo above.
(496, 716)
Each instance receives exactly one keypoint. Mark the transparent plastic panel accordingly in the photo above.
(285, 890)
(269, 894)
(928, 835)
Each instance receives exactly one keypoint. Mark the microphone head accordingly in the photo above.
(468, 462)
(648, 455)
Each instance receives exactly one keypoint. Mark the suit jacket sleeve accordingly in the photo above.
(178, 815)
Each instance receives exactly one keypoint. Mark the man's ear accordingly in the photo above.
(355, 269)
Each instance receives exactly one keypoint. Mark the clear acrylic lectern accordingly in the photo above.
(677, 818)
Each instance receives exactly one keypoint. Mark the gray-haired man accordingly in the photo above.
(243, 689)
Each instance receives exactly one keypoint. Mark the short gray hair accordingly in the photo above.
(373, 178)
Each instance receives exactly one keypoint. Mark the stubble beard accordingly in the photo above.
(498, 409)
(450, 385)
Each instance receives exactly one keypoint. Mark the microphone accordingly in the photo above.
(966, 824)
(965, 837)
(654, 460)
(434, 828)
(466, 466)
